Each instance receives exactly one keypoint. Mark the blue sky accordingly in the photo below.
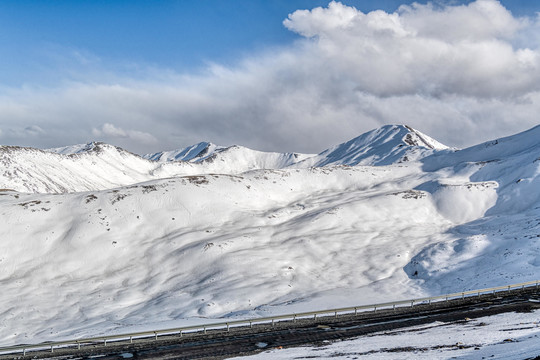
(66, 47)
(40, 36)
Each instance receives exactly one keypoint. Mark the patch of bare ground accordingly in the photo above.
(90, 198)
(196, 179)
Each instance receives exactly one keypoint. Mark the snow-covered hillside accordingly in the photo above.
(103, 240)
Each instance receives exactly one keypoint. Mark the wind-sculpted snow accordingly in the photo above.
(462, 202)
(122, 243)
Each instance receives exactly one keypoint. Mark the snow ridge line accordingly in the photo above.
(250, 322)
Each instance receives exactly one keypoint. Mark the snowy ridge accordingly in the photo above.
(161, 243)
(214, 158)
(193, 153)
(522, 144)
(75, 149)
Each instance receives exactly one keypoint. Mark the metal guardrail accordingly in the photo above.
(249, 322)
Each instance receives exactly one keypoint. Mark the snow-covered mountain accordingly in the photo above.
(94, 166)
(103, 240)
(387, 145)
(98, 166)
(384, 146)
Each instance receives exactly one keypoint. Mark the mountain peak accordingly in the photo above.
(382, 146)
(93, 146)
(417, 138)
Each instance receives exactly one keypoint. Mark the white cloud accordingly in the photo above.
(109, 131)
(462, 74)
(464, 50)
(113, 131)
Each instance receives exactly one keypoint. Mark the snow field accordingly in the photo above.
(182, 248)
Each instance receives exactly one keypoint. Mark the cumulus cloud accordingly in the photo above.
(463, 74)
(463, 50)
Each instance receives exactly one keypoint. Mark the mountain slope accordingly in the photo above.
(206, 246)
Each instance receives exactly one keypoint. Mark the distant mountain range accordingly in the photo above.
(95, 166)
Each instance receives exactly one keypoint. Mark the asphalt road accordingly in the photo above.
(220, 344)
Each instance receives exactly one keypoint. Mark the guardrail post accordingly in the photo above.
(508, 287)
(394, 307)
(78, 345)
(335, 314)
(104, 342)
(204, 328)
(131, 339)
(412, 303)
(314, 317)
(180, 333)
(155, 333)
(374, 309)
(24, 352)
(355, 311)
(294, 318)
(227, 327)
(272, 322)
(250, 325)
(479, 294)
